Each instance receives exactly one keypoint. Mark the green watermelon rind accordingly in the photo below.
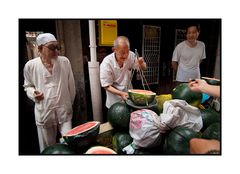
(183, 92)
(212, 132)
(58, 149)
(119, 116)
(141, 99)
(209, 116)
(177, 142)
(211, 81)
(83, 139)
(121, 140)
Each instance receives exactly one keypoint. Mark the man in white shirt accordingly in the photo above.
(188, 55)
(49, 82)
(115, 71)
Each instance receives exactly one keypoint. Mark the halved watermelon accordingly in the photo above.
(100, 150)
(141, 97)
(83, 135)
(58, 149)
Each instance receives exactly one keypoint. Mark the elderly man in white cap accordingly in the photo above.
(49, 82)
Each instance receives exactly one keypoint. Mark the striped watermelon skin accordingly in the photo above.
(121, 140)
(183, 92)
(177, 141)
(119, 116)
(213, 132)
(209, 116)
(58, 149)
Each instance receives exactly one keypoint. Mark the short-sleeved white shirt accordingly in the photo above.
(188, 59)
(119, 78)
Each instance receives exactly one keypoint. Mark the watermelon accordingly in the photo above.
(100, 150)
(121, 140)
(161, 99)
(212, 81)
(183, 92)
(119, 116)
(58, 149)
(212, 132)
(83, 135)
(177, 141)
(141, 97)
(155, 109)
(209, 116)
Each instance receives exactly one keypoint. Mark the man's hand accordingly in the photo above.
(38, 95)
(141, 63)
(198, 85)
(124, 95)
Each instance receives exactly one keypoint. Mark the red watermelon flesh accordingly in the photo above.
(141, 91)
(100, 150)
(82, 128)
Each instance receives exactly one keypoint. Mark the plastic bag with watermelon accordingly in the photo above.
(179, 113)
(145, 129)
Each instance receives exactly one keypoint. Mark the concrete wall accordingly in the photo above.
(69, 35)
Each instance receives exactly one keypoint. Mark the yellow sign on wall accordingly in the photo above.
(107, 32)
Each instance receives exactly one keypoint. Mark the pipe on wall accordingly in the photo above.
(94, 77)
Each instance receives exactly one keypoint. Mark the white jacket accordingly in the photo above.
(58, 89)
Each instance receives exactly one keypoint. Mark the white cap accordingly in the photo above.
(45, 38)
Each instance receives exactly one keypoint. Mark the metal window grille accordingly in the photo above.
(180, 35)
(151, 52)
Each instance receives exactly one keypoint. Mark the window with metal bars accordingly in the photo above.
(151, 52)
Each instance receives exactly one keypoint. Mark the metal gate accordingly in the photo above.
(180, 35)
(151, 52)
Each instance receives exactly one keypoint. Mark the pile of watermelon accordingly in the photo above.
(177, 140)
(82, 139)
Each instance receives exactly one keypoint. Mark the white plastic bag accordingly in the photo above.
(180, 113)
(145, 129)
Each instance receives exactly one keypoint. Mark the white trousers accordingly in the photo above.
(47, 136)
